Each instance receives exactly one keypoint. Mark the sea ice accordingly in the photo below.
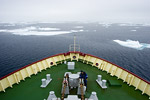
(133, 44)
(38, 31)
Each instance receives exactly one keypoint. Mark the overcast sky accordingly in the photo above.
(137, 11)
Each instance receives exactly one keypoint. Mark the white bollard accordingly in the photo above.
(94, 93)
(51, 95)
(65, 62)
(43, 82)
(93, 96)
(99, 77)
(103, 83)
(51, 92)
(48, 76)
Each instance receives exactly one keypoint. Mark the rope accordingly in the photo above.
(82, 94)
(64, 87)
(63, 93)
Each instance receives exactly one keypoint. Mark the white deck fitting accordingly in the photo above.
(47, 82)
(72, 97)
(99, 77)
(100, 83)
(93, 96)
(65, 62)
(56, 99)
(67, 87)
(79, 90)
(74, 76)
(52, 96)
(78, 73)
(73, 80)
(71, 65)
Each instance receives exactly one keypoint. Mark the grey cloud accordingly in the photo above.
(75, 10)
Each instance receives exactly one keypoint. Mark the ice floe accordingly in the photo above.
(128, 24)
(77, 30)
(38, 31)
(48, 29)
(133, 30)
(78, 27)
(106, 25)
(133, 44)
(43, 33)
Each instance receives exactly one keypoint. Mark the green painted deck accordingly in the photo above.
(30, 88)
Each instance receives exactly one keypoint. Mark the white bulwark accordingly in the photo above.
(71, 65)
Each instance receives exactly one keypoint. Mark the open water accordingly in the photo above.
(127, 45)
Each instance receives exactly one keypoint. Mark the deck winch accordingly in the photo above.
(72, 81)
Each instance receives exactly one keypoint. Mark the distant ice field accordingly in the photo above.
(46, 31)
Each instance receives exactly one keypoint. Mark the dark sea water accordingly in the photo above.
(17, 50)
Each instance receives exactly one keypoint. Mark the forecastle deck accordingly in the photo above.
(112, 69)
